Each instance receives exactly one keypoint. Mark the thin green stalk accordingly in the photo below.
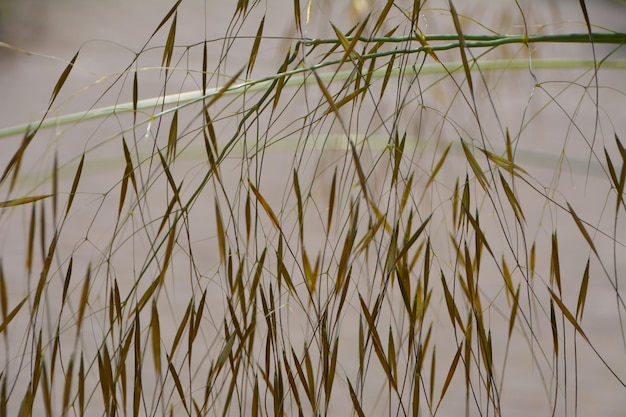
(184, 99)
(489, 40)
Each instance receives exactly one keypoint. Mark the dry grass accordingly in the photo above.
(389, 223)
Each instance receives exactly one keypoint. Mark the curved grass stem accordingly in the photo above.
(187, 98)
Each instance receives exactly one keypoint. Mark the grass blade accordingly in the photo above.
(582, 294)
(168, 52)
(567, 314)
(451, 372)
(515, 205)
(266, 206)
(170, 154)
(22, 201)
(156, 338)
(12, 315)
(79, 172)
(582, 229)
(63, 78)
(84, 299)
(459, 31)
(478, 172)
(255, 47)
(355, 401)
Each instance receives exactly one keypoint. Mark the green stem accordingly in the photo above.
(489, 40)
(184, 99)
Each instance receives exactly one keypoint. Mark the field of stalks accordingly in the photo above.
(317, 209)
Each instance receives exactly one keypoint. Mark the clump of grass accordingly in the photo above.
(386, 223)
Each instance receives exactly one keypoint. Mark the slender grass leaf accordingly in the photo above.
(292, 384)
(166, 215)
(567, 314)
(397, 151)
(582, 294)
(415, 403)
(391, 353)
(81, 387)
(44, 272)
(168, 252)
(452, 309)
(438, 166)
(555, 266)
(327, 96)
(27, 402)
(84, 299)
(170, 178)
(23, 200)
(135, 96)
(355, 401)
(413, 238)
(433, 369)
(348, 98)
(308, 391)
(428, 48)
(382, 17)
(611, 170)
(255, 47)
(457, 27)
(504, 163)
(79, 172)
(138, 380)
(179, 386)
(583, 7)
(407, 192)
(515, 205)
(509, 147)
(181, 328)
(582, 229)
(297, 18)
(31, 241)
(221, 233)
(555, 334)
(280, 82)
(451, 372)
(11, 315)
(255, 396)
(68, 386)
(170, 154)
(477, 229)
(226, 351)
(266, 206)
(387, 75)
(622, 175)
(508, 282)
(347, 45)
(168, 51)
(129, 174)
(513, 314)
(146, 296)
(156, 338)
(296, 188)
(129, 165)
(478, 172)
(63, 78)
(378, 348)
(331, 201)
(167, 17)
